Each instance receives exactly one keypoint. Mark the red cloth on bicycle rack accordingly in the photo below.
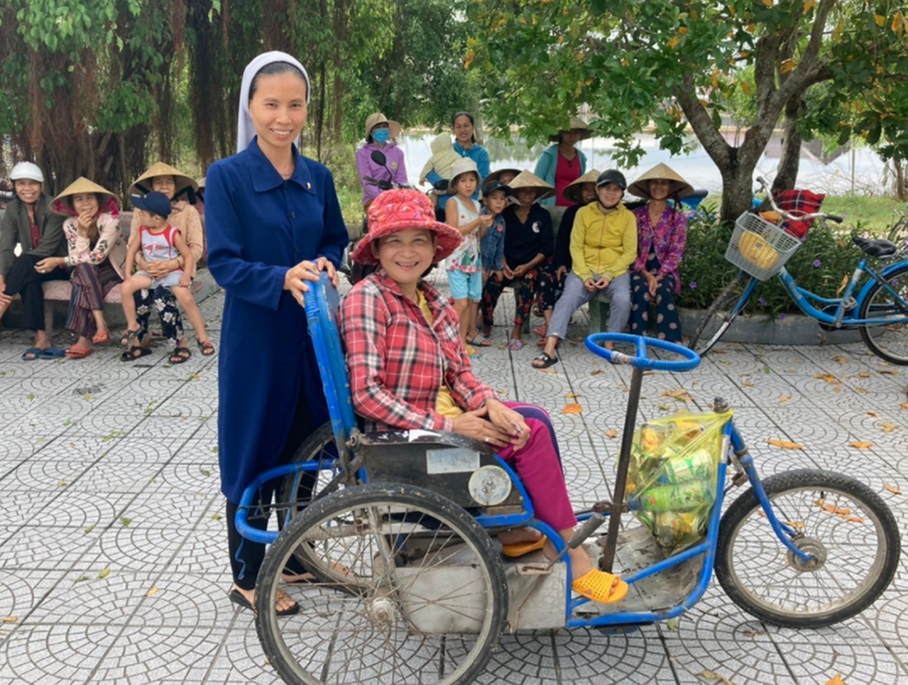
(804, 201)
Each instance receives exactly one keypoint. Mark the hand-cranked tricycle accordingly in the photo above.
(409, 582)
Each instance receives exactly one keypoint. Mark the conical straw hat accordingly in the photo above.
(496, 175)
(378, 118)
(142, 185)
(679, 186)
(82, 185)
(527, 179)
(572, 192)
(574, 123)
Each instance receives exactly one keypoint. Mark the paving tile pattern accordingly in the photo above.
(113, 564)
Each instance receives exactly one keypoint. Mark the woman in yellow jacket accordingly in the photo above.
(603, 247)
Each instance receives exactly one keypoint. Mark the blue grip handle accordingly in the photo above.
(690, 359)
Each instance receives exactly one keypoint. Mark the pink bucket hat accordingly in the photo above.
(399, 210)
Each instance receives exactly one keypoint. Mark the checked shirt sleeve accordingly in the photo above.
(363, 322)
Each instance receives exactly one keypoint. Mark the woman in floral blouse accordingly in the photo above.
(661, 236)
(96, 253)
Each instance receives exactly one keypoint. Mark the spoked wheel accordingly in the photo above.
(299, 489)
(888, 341)
(849, 530)
(424, 598)
(724, 309)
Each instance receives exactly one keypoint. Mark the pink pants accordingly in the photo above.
(539, 468)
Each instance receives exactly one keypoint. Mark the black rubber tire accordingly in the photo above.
(771, 561)
(336, 636)
(718, 317)
(896, 351)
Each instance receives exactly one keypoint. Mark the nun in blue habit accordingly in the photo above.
(273, 222)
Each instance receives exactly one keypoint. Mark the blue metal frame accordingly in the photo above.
(321, 309)
(803, 297)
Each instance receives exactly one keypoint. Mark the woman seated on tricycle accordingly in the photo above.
(409, 370)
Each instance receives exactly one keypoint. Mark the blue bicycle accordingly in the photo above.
(875, 301)
(409, 582)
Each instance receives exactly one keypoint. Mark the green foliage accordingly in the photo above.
(819, 265)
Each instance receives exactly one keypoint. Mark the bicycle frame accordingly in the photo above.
(839, 318)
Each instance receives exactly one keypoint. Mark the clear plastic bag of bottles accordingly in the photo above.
(673, 476)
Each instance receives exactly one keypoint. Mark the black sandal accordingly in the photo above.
(180, 355)
(134, 352)
(206, 347)
(546, 360)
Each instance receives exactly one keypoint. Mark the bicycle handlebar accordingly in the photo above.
(385, 184)
(689, 358)
(800, 216)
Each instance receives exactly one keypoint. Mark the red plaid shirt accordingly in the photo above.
(397, 361)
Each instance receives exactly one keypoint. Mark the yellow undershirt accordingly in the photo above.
(445, 404)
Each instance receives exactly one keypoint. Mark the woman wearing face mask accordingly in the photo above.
(38, 232)
(380, 135)
(273, 222)
(603, 247)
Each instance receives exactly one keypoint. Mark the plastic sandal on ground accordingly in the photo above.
(600, 587)
(546, 360)
(78, 352)
(515, 345)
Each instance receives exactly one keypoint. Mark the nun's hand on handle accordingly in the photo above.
(296, 277)
(324, 264)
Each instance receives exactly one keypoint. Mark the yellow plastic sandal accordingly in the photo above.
(518, 549)
(601, 587)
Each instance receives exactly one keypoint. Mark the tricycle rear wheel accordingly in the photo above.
(845, 524)
(424, 598)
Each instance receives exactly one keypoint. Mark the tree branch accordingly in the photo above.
(700, 121)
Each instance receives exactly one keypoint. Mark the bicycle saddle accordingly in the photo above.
(876, 248)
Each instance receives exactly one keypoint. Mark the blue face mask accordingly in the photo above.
(381, 135)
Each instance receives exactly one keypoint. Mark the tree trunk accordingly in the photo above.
(787, 173)
(737, 189)
(901, 191)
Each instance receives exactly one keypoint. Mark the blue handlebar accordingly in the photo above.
(641, 361)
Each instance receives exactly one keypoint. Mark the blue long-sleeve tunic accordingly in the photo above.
(258, 226)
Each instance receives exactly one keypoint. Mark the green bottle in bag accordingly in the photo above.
(698, 465)
(685, 497)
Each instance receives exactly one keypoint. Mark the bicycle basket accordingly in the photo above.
(759, 247)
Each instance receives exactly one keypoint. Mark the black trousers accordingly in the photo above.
(24, 280)
(246, 557)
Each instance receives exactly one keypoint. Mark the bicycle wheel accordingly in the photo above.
(425, 599)
(720, 314)
(888, 341)
(300, 489)
(841, 521)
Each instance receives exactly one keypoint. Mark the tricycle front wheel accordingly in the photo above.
(846, 526)
(419, 594)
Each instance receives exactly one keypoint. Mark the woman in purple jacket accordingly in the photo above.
(380, 135)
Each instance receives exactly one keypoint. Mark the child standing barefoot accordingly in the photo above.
(158, 241)
(465, 264)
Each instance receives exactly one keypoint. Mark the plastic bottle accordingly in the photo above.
(698, 465)
(685, 497)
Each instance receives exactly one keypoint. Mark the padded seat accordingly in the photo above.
(875, 248)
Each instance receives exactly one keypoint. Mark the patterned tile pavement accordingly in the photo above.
(113, 563)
